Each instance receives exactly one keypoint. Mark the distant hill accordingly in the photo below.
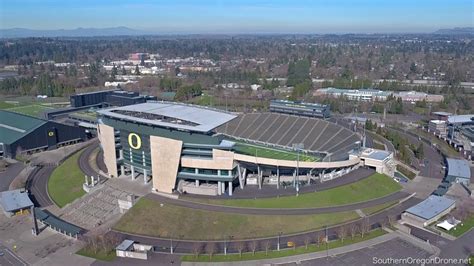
(79, 32)
(465, 30)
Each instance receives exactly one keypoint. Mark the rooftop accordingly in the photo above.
(458, 168)
(375, 154)
(14, 126)
(437, 121)
(13, 200)
(125, 245)
(431, 207)
(171, 115)
(442, 113)
(460, 118)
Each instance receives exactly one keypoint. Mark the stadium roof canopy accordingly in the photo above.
(14, 126)
(13, 200)
(458, 168)
(431, 207)
(171, 115)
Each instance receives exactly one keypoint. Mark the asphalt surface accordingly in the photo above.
(186, 246)
(10, 173)
(9, 258)
(270, 191)
(267, 211)
(83, 160)
(37, 184)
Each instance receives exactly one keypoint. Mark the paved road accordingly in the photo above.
(187, 246)
(270, 191)
(37, 184)
(7, 177)
(10, 258)
(267, 211)
(83, 160)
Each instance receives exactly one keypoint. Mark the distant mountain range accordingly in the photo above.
(124, 31)
(79, 32)
(453, 31)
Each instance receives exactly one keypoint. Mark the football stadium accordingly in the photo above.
(201, 150)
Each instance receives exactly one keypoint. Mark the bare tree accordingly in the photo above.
(211, 249)
(266, 245)
(353, 230)
(341, 232)
(364, 227)
(196, 249)
(319, 237)
(240, 246)
(307, 241)
(391, 220)
(254, 246)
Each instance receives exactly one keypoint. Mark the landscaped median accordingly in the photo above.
(65, 183)
(372, 187)
(150, 217)
(271, 254)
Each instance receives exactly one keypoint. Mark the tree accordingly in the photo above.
(254, 246)
(266, 245)
(319, 238)
(307, 241)
(211, 249)
(124, 71)
(137, 70)
(113, 73)
(240, 246)
(196, 249)
(341, 232)
(419, 152)
(364, 227)
(353, 230)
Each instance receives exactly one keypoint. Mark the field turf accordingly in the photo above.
(272, 153)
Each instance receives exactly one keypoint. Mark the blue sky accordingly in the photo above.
(245, 16)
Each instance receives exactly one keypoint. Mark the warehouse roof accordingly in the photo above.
(171, 114)
(431, 207)
(458, 168)
(14, 126)
(454, 119)
(13, 200)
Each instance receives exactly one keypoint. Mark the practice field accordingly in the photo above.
(32, 110)
(372, 187)
(272, 153)
(65, 183)
(148, 217)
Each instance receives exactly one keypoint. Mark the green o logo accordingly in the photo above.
(134, 141)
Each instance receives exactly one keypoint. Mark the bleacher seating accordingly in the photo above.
(281, 129)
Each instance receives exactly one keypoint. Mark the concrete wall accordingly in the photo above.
(165, 157)
(221, 160)
(107, 140)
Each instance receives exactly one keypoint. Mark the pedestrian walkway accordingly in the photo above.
(303, 257)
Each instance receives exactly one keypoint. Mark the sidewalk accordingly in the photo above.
(302, 257)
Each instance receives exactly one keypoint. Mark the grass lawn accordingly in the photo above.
(32, 110)
(147, 217)
(405, 171)
(6, 105)
(101, 255)
(375, 209)
(272, 153)
(65, 183)
(461, 229)
(374, 186)
(283, 253)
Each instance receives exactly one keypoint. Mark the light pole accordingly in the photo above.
(298, 147)
(171, 245)
(278, 244)
(327, 240)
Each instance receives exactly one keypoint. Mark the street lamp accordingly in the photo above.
(298, 147)
(278, 244)
(327, 240)
(171, 245)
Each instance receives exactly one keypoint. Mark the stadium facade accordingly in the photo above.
(202, 150)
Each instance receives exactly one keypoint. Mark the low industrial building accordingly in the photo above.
(15, 201)
(365, 95)
(428, 211)
(438, 127)
(130, 249)
(114, 97)
(415, 96)
(26, 134)
(458, 171)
